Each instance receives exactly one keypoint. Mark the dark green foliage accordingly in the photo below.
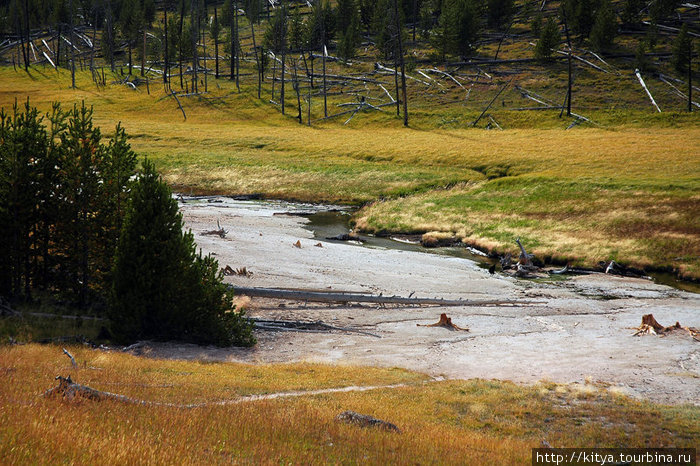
(320, 25)
(662, 9)
(348, 28)
(426, 20)
(384, 29)
(350, 39)
(458, 28)
(536, 25)
(297, 31)
(499, 13)
(632, 11)
(604, 28)
(61, 202)
(23, 144)
(345, 11)
(550, 38)
(276, 31)
(162, 289)
(682, 48)
(580, 16)
(641, 61)
(367, 13)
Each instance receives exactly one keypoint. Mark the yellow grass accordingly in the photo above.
(484, 422)
(584, 195)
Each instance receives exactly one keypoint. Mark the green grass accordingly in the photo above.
(626, 192)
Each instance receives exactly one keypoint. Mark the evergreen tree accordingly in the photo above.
(23, 145)
(162, 289)
(632, 10)
(459, 26)
(682, 48)
(659, 10)
(580, 15)
(550, 38)
(499, 12)
(536, 25)
(276, 31)
(604, 28)
(297, 31)
(350, 39)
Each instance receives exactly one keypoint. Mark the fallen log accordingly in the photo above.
(340, 297)
(69, 390)
(646, 89)
(362, 420)
(302, 326)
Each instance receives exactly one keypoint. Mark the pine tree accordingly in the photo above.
(499, 12)
(604, 28)
(682, 48)
(458, 27)
(550, 37)
(349, 39)
(161, 288)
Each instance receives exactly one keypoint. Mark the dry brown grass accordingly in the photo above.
(442, 422)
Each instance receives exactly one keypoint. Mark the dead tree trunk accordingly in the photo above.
(166, 64)
(401, 62)
(238, 47)
(181, 54)
(257, 59)
(72, 48)
(216, 47)
(195, 35)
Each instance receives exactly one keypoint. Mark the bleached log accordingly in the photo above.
(72, 359)
(641, 81)
(338, 297)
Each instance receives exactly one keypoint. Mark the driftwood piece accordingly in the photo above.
(345, 237)
(363, 420)
(650, 326)
(242, 271)
(69, 390)
(445, 322)
(341, 297)
(525, 258)
(220, 231)
(72, 359)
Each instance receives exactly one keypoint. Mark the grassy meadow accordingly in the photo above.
(448, 422)
(628, 190)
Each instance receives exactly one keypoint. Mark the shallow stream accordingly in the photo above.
(327, 221)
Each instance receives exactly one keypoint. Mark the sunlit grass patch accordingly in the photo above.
(450, 422)
(625, 192)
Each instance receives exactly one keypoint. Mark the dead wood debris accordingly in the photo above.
(6, 310)
(243, 271)
(72, 359)
(444, 322)
(69, 390)
(304, 327)
(650, 326)
(363, 420)
(220, 231)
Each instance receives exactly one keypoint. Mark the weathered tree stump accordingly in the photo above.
(444, 322)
